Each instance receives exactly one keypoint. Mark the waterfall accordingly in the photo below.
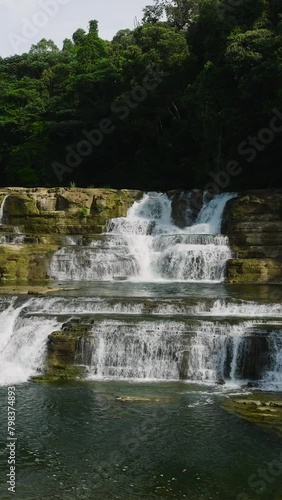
(272, 379)
(2, 207)
(207, 352)
(147, 246)
(125, 350)
(22, 342)
(210, 216)
(189, 338)
(13, 239)
(147, 339)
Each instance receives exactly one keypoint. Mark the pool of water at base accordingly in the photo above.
(129, 441)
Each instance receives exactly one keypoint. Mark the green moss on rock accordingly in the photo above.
(253, 271)
(60, 373)
(20, 205)
(62, 348)
(25, 262)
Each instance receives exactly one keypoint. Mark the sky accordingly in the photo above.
(25, 22)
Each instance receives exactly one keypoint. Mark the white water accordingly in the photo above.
(2, 207)
(22, 343)
(168, 350)
(240, 309)
(272, 379)
(13, 239)
(123, 344)
(149, 338)
(228, 308)
(147, 246)
(144, 351)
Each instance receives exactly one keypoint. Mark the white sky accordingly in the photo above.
(25, 22)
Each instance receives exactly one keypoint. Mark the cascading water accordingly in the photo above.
(15, 238)
(206, 352)
(199, 339)
(22, 342)
(142, 339)
(147, 246)
(273, 377)
(2, 207)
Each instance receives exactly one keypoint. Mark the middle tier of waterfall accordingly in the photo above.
(147, 246)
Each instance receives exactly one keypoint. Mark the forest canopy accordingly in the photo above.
(196, 85)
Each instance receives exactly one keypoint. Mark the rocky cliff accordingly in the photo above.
(253, 223)
(37, 222)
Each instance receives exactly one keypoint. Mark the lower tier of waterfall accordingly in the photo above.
(148, 339)
(182, 350)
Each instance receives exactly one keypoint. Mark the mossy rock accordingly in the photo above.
(63, 347)
(51, 211)
(60, 373)
(253, 271)
(20, 205)
(25, 262)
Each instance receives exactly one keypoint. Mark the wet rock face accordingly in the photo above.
(186, 206)
(253, 223)
(62, 362)
(254, 358)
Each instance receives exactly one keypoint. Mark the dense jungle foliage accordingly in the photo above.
(193, 90)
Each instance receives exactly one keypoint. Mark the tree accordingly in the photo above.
(43, 47)
(179, 13)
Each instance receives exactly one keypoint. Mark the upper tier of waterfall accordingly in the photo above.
(148, 246)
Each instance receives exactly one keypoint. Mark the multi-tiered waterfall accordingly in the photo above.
(143, 324)
(147, 246)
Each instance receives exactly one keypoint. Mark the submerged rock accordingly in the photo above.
(262, 409)
(141, 399)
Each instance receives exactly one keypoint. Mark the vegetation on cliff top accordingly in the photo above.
(213, 73)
